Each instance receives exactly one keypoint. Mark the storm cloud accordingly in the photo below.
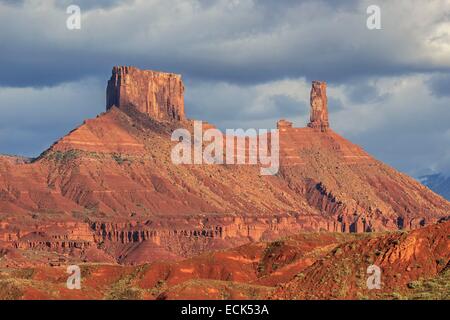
(241, 41)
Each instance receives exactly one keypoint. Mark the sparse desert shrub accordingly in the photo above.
(158, 288)
(441, 262)
(361, 296)
(9, 290)
(337, 251)
(437, 288)
(224, 294)
(397, 296)
(125, 294)
(300, 275)
(123, 290)
(61, 156)
(261, 268)
(25, 273)
(85, 271)
(118, 158)
(413, 285)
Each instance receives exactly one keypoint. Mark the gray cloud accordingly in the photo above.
(242, 41)
(32, 119)
(408, 129)
(284, 106)
(440, 85)
(236, 106)
(91, 5)
(335, 104)
(84, 4)
(363, 92)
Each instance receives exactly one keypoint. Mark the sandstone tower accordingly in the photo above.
(158, 94)
(319, 108)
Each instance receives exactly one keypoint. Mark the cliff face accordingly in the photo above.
(158, 94)
(414, 265)
(117, 168)
(319, 106)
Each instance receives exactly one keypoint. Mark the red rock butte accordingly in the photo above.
(109, 190)
(158, 94)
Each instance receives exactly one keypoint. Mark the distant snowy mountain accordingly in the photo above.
(439, 183)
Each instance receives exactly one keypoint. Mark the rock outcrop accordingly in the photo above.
(158, 94)
(414, 265)
(117, 167)
(319, 108)
(403, 258)
(284, 124)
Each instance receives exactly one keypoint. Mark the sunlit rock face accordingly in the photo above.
(158, 94)
(319, 108)
(109, 190)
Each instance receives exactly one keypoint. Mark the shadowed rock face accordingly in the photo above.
(319, 108)
(158, 94)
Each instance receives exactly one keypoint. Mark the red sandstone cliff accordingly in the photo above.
(158, 94)
(414, 264)
(319, 106)
(114, 174)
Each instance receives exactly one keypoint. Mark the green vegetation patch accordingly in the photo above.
(123, 289)
(64, 156)
(437, 288)
(119, 158)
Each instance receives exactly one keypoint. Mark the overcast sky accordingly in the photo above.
(245, 63)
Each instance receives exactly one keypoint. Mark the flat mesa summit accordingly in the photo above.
(108, 191)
